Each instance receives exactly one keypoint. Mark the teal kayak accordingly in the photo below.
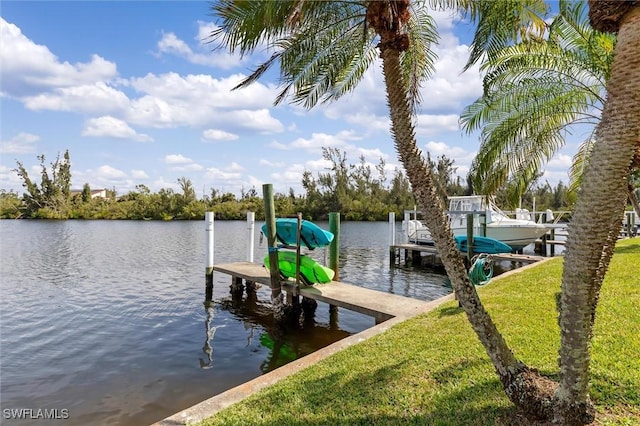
(311, 235)
(482, 245)
(311, 272)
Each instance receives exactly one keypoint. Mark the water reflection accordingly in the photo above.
(210, 332)
(117, 291)
(284, 341)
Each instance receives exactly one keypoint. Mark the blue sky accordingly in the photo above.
(137, 97)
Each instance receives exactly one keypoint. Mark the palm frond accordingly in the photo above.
(580, 160)
(534, 92)
(503, 22)
(418, 62)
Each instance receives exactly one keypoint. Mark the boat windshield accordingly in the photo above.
(466, 204)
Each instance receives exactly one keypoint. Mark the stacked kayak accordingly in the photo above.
(311, 272)
(311, 237)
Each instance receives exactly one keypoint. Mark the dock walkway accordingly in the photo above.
(380, 305)
(413, 252)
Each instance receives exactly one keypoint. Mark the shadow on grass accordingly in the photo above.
(633, 248)
(607, 389)
(379, 397)
(450, 311)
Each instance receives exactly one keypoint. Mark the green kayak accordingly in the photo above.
(311, 271)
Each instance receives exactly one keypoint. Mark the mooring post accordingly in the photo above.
(470, 237)
(251, 224)
(334, 247)
(405, 226)
(543, 247)
(274, 270)
(208, 292)
(392, 238)
(293, 297)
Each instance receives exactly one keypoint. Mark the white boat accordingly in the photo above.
(489, 221)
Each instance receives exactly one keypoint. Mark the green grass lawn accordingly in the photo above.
(431, 370)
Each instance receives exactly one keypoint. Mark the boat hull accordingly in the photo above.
(516, 235)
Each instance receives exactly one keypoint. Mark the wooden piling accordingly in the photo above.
(392, 238)
(270, 220)
(469, 237)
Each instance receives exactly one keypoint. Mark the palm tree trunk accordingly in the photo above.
(524, 387)
(596, 220)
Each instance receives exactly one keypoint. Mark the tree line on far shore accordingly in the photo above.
(358, 191)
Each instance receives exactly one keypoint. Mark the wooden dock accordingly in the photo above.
(380, 305)
(414, 253)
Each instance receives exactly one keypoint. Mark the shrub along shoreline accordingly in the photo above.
(432, 370)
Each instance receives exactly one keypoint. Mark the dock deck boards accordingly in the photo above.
(514, 257)
(374, 303)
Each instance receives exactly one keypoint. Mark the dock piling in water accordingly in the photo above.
(209, 218)
(274, 271)
(251, 223)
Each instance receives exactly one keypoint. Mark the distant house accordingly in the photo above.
(95, 193)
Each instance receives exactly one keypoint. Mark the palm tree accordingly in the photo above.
(596, 220)
(534, 93)
(323, 49)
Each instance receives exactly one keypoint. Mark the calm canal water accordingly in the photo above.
(105, 319)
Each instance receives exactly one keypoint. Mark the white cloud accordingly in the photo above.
(461, 156)
(109, 173)
(215, 174)
(432, 124)
(560, 161)
(203, 55)
(258, 120)
(177, 159)
(235, 167)
(265, 162)
(278, 145)
(449, 89)
(112, 127)
(171, 100)
(180, 163)
(375, 153)
(218, 135)
(96, 98)
(139, 174)
(28, 67)
(22, 143)
(317, 165)
(9, 180)
(168, 100)
(193, 167)
(319, 140)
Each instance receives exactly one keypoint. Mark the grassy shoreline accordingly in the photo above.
(432, 369)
